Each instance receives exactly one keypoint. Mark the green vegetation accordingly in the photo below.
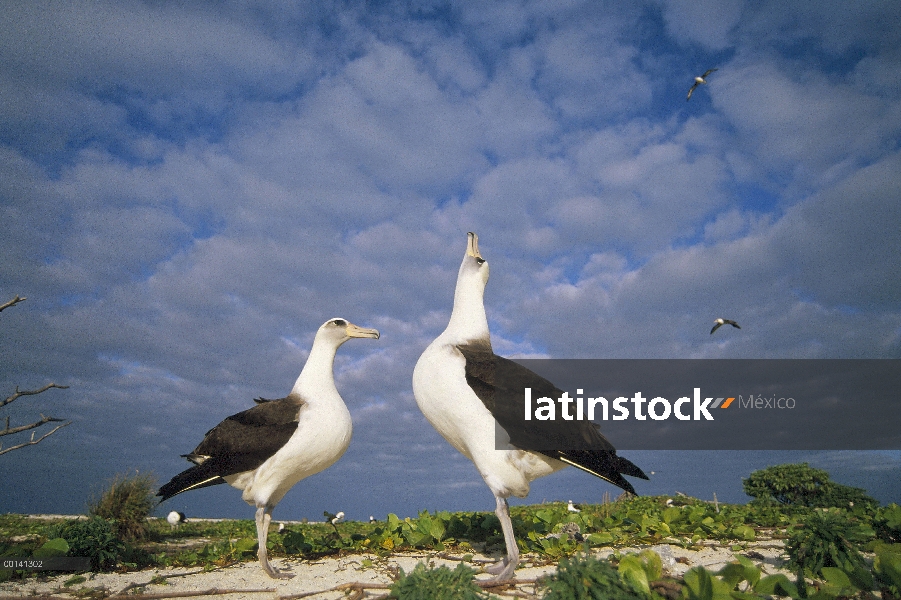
(827, 539)
(437, 584)
(843, 551)
(94, 538)
(802, 485)
(587, 578)
(127, 503)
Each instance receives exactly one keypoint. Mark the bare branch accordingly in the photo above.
(18, 394)
(12, 302)
(11, 430)
(35, 441)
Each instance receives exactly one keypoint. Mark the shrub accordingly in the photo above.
(586, 578)
(802, 485)
(887, 522)
(127, 503)
(827, 539)
(437, 584)
(94, 538)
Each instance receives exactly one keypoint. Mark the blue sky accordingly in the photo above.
(188, 191)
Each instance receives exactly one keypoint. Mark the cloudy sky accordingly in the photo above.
(188, 191)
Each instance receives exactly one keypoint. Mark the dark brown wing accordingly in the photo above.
(242, 442)
(500, 384)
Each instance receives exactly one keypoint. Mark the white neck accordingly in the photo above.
(468, 320)
(317, 374)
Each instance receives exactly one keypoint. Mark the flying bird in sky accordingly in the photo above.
(720, 322)
(264, 451)
(473, 398)
(702, 80)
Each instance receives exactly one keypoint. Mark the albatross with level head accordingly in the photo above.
(720, 322)
(267, 449)
(699, 80)
(455, 387)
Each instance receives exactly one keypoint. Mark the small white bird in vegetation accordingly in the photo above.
(575, 508)
(175, 518)
(702, 80)
(720, 322)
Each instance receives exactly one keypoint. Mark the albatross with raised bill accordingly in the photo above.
(454, 385)
(267, 449)
(720, 322)
(700, 80)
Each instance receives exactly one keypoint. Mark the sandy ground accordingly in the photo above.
(318, 578)
(324, 574)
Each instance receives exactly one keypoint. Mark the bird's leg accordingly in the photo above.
(504, 570)
(264, 517)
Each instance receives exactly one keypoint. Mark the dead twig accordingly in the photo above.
(19, 394)
(33, 441)
(209, 592)
(357, 588)
(7, 430)
(157, 579)
(11, 430)
(12, 302)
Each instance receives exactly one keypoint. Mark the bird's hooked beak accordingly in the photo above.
(361, 332)
(472, 246)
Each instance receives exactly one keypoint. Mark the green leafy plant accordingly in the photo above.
(639, 570)
(887, 523)
(127, 502)
(587, 578)
(802, 485)
(887, 569)
(826, 542)
(94, 538)
(437, 584)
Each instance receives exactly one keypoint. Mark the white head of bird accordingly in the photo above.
(329, 338)
(468, 320)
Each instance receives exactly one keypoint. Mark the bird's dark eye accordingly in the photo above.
(480, 260)
(340, 322)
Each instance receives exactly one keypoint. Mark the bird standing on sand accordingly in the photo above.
(455, 386)
(267, 449)
(720, 322)
(702, 80)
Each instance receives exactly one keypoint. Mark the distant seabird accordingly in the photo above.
(702, 80)
(574, 508)
(454, 386)
(175, 518)
(333, 519)
(372, 519)
(267, 449)
(720, 322)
